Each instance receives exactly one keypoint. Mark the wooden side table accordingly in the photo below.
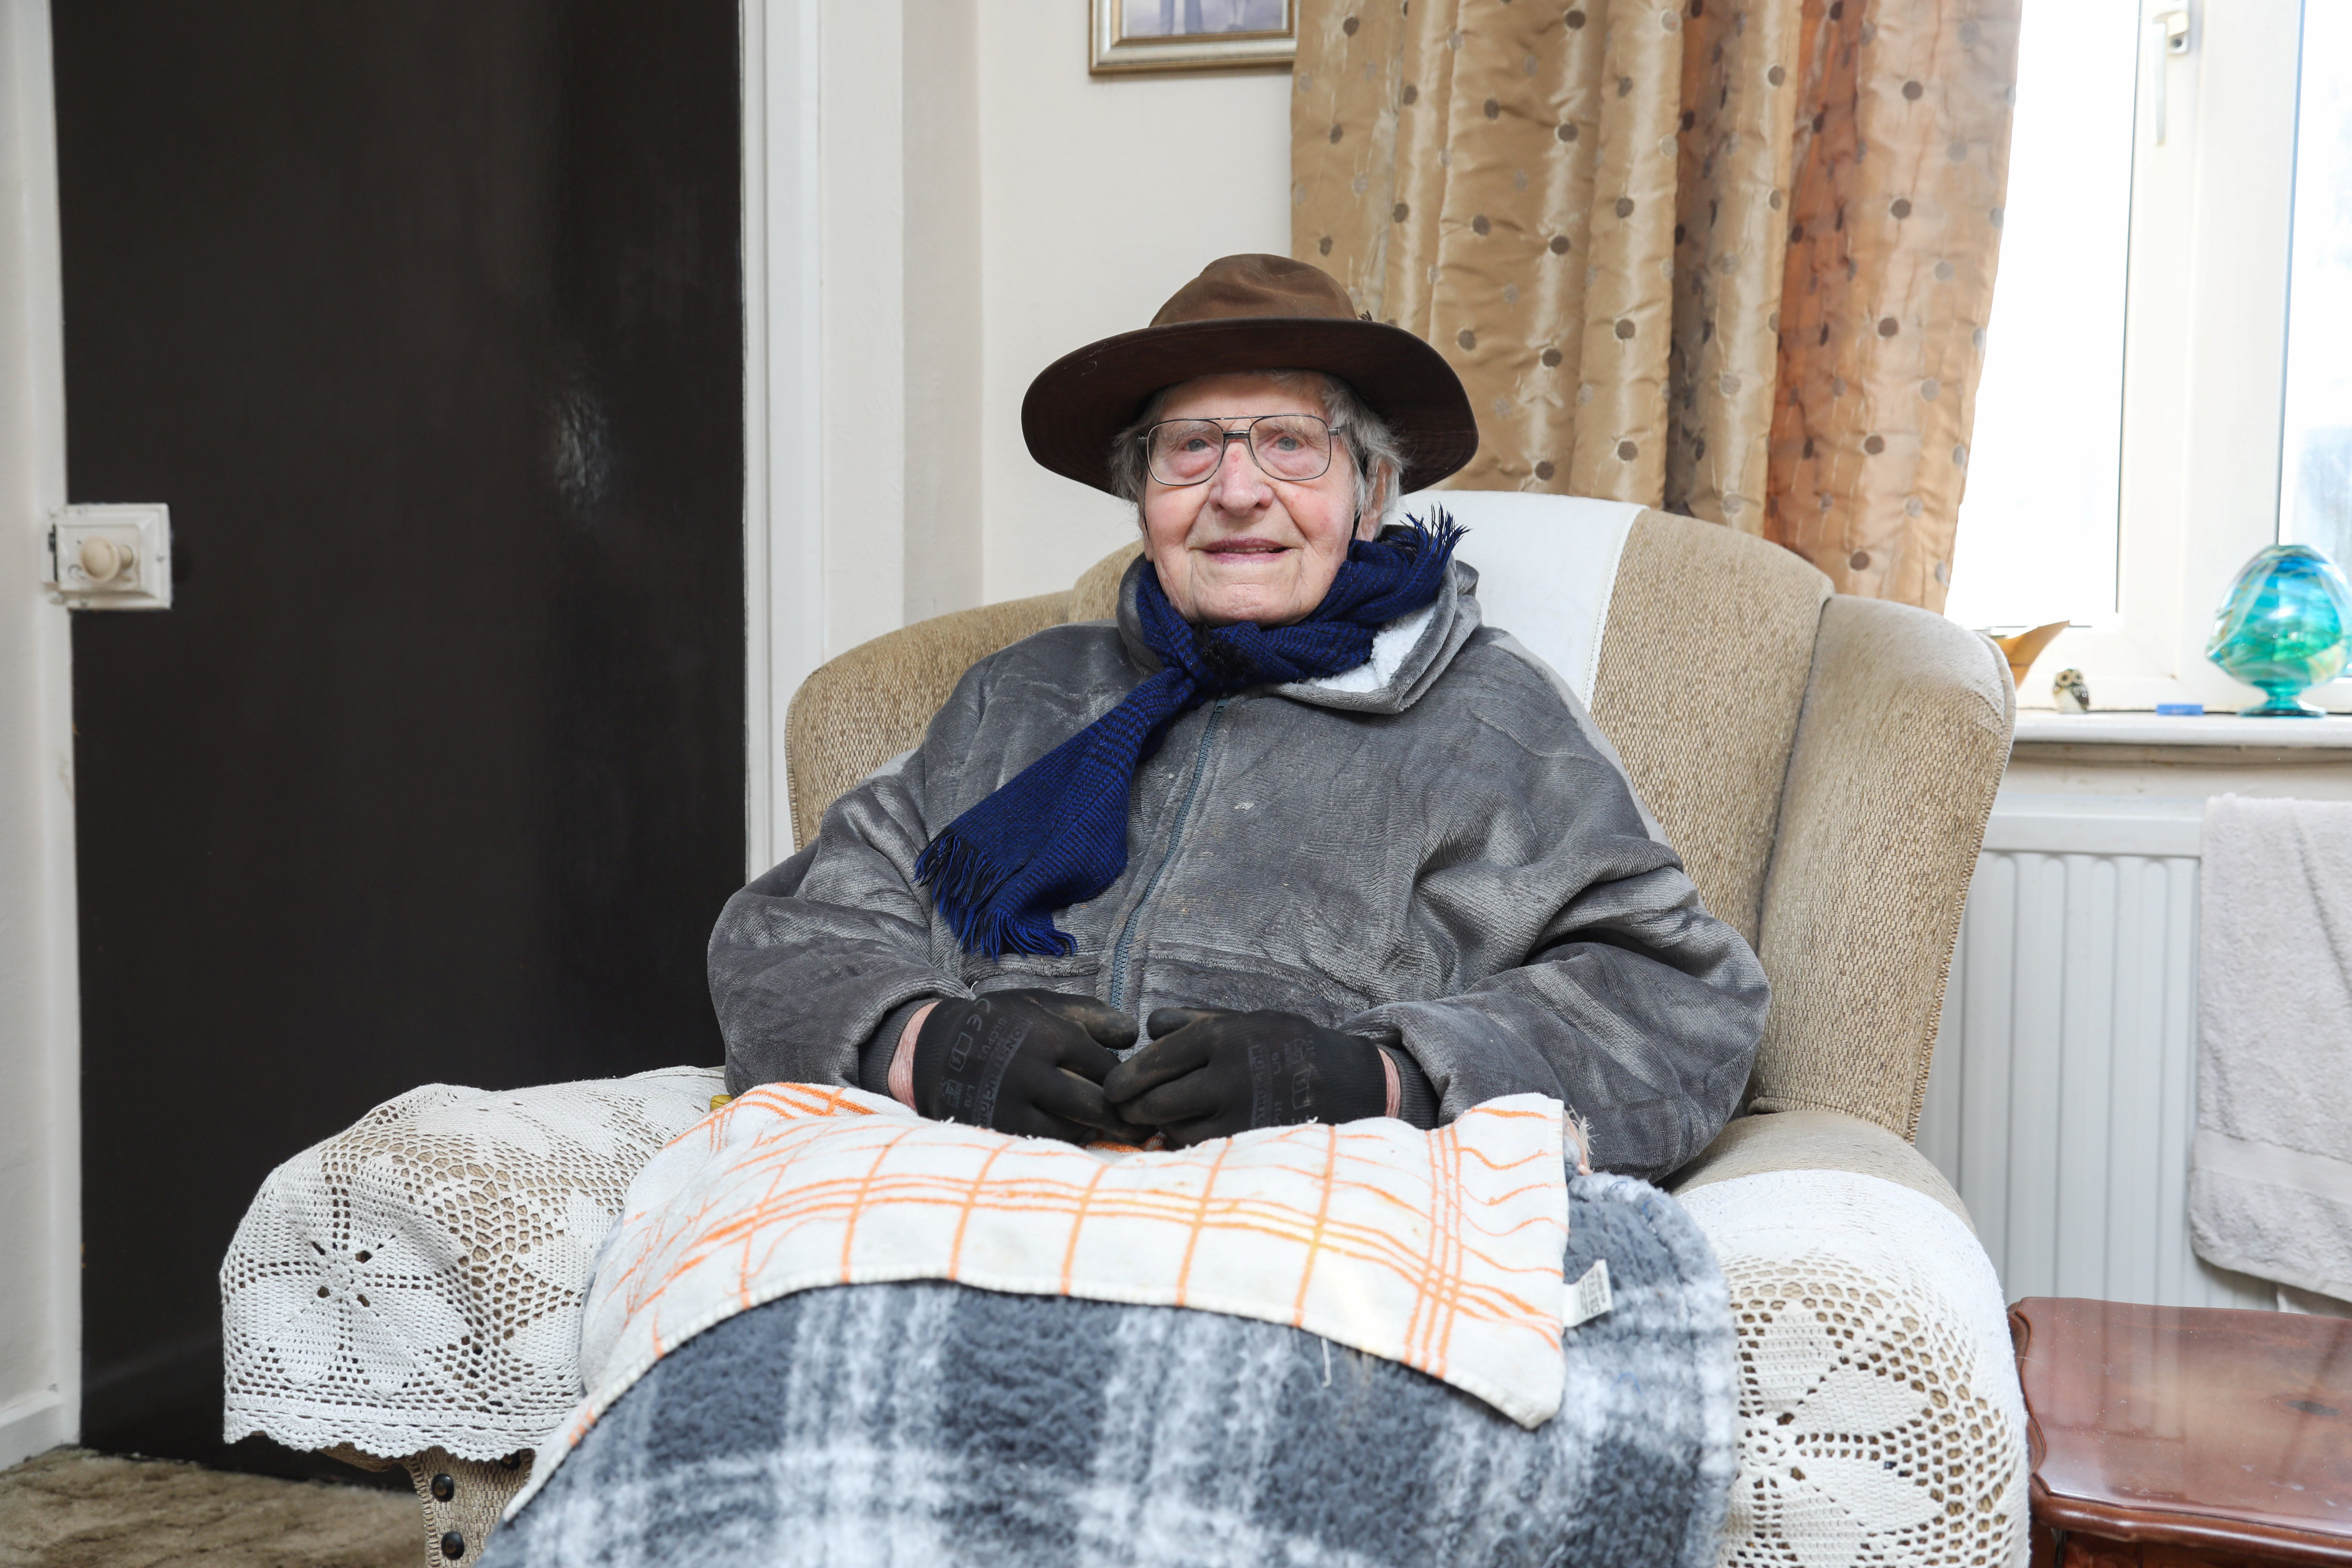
(2173, 1436)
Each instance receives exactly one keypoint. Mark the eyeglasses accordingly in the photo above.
(1289, 447)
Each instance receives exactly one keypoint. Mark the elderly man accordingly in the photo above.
(1342, 850)
(1339, 850)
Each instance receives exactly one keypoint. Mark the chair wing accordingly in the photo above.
(1824, 764)
(1903, 742)
(1703, 666)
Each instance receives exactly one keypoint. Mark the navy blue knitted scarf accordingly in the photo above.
(1055, 834)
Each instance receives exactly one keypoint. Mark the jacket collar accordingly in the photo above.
(1408, 654)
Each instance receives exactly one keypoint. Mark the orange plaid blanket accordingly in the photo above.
(1441, 1251)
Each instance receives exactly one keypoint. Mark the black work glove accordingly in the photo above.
(1210, 1073)
(1028, 1062)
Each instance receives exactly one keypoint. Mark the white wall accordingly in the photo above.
(1082, 236)
(939, 202)
(982, 208)
(943, 291)
(863, 211)
(40, 1151)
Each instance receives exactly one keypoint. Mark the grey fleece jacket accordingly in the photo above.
(1436, 850)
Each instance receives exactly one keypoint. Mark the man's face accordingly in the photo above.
(1244, 544)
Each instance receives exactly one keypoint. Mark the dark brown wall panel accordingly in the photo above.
(425, 319)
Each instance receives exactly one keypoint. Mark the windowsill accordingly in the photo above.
(2043, 727)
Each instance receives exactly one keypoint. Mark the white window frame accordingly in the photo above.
(2204, 357)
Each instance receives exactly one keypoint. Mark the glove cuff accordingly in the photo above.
(1355, 1081)
(875, 1057)
(1416, 1103)
(960, 1055)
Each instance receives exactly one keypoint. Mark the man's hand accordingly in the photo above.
(1029, 1062)
(1210, 1073)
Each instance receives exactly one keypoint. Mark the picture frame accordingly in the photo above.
(1128, 36)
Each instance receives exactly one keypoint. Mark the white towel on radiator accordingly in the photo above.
(2270, 1180)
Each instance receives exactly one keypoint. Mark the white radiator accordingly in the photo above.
(2063, 1092)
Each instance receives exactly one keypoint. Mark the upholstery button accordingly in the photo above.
(453, 1546)
(444, 1488)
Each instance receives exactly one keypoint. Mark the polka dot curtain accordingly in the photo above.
(1730, 257)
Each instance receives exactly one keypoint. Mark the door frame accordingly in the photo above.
(41, 998)
(783, 426)
(861, 344)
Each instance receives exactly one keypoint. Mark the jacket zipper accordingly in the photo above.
(1175, 839)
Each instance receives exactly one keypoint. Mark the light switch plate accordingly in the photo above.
(111, 557)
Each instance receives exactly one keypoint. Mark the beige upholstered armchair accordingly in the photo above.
(1824, 763)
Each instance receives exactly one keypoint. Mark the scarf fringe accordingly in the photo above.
(1440, 534)
(964, 881)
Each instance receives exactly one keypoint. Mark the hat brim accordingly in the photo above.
(1080, 404)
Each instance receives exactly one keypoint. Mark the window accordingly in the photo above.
(2152, 411)
(2038, 525)
(2315, 447)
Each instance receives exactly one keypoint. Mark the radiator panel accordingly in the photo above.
(2063, 1095)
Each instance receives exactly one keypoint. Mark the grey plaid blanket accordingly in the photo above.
(933, 1425)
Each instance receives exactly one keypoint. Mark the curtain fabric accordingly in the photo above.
(1730, 257)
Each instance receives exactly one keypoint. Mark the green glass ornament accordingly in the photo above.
(2282, 628)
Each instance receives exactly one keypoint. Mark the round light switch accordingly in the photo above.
(103, 560)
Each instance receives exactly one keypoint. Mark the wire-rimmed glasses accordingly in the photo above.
(1289, 447)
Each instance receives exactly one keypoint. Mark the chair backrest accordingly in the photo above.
(1696, 648)
(1700, 671)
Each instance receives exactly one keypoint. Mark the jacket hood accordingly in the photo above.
(1408, 654)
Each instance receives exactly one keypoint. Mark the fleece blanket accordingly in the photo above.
(935, 1425)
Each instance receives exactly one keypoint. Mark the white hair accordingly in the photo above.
(1378, 455)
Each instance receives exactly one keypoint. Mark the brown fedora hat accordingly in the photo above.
(1246, 313)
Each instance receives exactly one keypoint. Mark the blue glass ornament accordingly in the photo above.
(2282, 628)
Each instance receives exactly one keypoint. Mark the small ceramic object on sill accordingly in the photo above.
(2070, 692)
(2022, 649)
(2281, 629)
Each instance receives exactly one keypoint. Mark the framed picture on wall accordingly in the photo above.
(1192, 35)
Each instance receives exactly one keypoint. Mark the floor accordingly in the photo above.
(72, 1509)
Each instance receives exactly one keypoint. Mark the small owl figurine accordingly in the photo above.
(2070, 693)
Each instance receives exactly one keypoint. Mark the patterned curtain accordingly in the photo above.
(1730, 257)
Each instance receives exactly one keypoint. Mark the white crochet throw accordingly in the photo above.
(1880, 1418)
(416, 1281)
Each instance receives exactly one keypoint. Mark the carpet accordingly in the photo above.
(72, 1509)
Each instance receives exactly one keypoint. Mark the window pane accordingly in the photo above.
(2037, 534)
(2315, 451)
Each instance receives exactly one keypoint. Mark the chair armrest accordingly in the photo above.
(415, 1282)
(1900, 746)
(1816, 1140)
(1878, 1408)
(864, 706)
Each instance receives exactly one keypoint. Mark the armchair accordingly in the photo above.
(1824, 764)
